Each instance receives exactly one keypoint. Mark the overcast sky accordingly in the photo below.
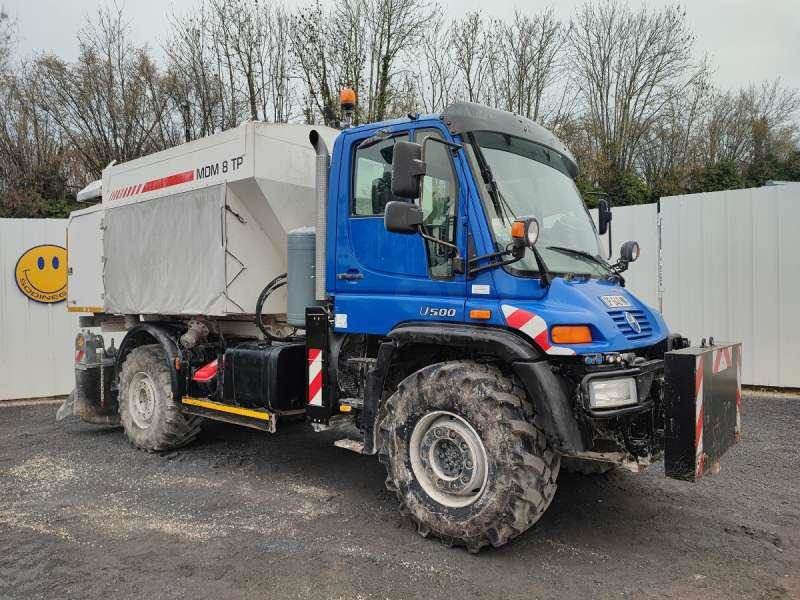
(749, 40)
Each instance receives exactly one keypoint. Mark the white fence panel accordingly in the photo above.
(36, 339)
(731, 269)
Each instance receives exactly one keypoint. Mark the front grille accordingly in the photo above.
(625, 327)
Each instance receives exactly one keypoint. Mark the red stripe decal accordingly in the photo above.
(170, 180)
(518, 318)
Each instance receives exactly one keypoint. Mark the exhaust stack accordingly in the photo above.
(323, 165)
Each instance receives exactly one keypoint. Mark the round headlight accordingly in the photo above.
(532, 234)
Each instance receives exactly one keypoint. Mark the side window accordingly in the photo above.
(439, 201)
(372, 187)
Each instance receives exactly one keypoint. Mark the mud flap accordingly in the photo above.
(702, 402)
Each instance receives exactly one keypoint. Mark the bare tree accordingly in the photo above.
(471, 49)
(191, 75)
(7, 34)
(530, 46)
(437, 73)
(108, 104)
(277, 76)
(32, 151)
(395, 27)
(628, 63)
(672, 145)
(312, 40)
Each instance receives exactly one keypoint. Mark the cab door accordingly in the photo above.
(383, 278)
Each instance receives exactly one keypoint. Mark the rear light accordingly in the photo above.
(571, 334)
(206, 373)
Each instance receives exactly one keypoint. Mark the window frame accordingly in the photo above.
(354, 168)
(456, 194)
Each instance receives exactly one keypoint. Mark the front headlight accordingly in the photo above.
(612, 393)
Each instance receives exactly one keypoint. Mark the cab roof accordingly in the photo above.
(466, 117)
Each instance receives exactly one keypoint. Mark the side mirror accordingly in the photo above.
(629, 252)
(603, 216)
(402, 217)
(407, 170)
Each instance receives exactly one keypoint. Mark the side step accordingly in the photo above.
(238, 415)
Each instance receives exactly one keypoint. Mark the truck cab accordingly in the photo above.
(460, 282)
(477, 182)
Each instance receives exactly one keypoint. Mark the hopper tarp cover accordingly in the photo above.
(166, 255)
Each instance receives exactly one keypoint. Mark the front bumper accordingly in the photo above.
(688, 410)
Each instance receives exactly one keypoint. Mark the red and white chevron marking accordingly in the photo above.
(700, 456)
(722, 359)
(534, 327)
(315, 377)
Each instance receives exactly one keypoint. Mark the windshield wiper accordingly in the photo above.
(581, 253)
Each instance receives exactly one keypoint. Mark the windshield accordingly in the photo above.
(532, 181)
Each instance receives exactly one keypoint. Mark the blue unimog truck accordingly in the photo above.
(455, 304)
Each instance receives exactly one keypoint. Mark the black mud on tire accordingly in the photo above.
(522, 468)
(168, 427)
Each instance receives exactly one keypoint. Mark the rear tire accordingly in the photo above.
(149, 414)
(464, 456)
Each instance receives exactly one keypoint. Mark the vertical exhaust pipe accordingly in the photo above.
(323, 165)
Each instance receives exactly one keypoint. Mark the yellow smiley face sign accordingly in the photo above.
(41, 273)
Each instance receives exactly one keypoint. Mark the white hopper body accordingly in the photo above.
(199, 229)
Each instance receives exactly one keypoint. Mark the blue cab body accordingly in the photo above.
(392, 284)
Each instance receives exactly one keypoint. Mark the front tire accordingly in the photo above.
(463, 455)
(151, 418)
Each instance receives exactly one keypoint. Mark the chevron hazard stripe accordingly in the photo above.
(699, 417)
(534, 327)
(315, 376)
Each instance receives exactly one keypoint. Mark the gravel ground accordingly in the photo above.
(241, 514)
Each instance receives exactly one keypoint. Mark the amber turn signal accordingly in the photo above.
(571, 334)
(518, 230)
(481, 314)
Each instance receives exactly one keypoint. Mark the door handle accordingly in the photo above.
(350, 275)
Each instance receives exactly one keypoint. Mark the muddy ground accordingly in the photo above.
(241, 514)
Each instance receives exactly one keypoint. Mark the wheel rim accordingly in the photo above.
(448, 459)
(142, 399)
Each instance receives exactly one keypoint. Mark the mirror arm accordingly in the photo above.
(516, 256)
(477, 259)
(492, 265)
(620, 266)
(436, 240)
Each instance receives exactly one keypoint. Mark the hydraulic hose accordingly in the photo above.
(273, 285)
